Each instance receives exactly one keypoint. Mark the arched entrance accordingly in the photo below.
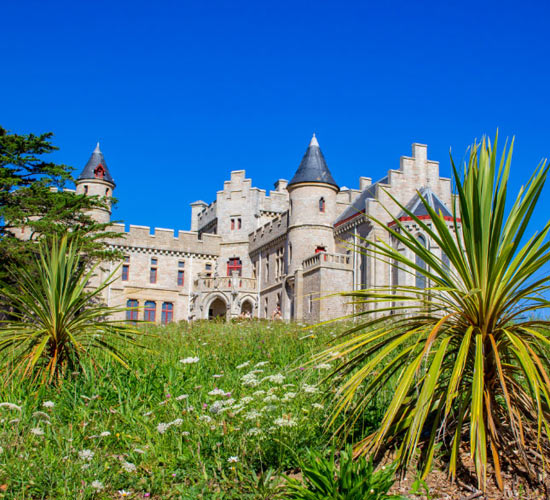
(217, 309)
(246, 309)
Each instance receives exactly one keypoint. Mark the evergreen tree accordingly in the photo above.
(33, 203)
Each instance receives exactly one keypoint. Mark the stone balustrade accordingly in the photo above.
(226, 283)
(325, 258)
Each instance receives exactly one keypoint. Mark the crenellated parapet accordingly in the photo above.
(165, 241)
(272, 231)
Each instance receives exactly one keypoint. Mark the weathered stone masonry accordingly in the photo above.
(249, 252)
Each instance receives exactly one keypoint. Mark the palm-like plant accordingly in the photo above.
(468, 354)
(55, 319)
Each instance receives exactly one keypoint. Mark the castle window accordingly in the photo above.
(125, 272)
(154, 261)
(167, 313)
(322, 205)
(149, 311)
(85, 189)
(239, 224)
(320, 249)
(420, 280)
(181, 264)
(234, 266)
(153, 270)
(208, 267)
(267, 268)
(107, 192)
(99, 172)
(279, 263)
(132, 311)
(232, 224)
(181, 277)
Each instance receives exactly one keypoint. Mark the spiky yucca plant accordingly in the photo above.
(55, 321)
(468, 354)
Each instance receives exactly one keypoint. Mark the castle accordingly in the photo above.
(249, 253)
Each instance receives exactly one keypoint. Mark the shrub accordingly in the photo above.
(466, 353)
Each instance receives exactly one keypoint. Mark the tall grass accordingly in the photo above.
(136, 431)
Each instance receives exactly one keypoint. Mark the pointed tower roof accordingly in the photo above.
(96, 168)
(313, 167)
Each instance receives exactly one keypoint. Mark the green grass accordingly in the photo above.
(192, 458)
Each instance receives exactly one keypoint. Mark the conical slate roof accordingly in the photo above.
(90, 170)
(313, 167)
(419, 209)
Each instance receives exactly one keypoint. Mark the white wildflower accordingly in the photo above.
(105, 434)
(148, 414)
(288, 396)
(217, 392)
(190, 360)
(285, 422)
(48, 404)
(254, 431)
(245, 364)
(252, 415)
(318, 406)
(128, 466)
(217, 375)
(139, 450)
(37, 431)
(176, 422)
(310, 389)
(182, 396)
(246, 400)
(269, 408)
(10, 406)
(216, 407)
(276, 379)
(124, 493)
(260, 364)
(271, 399)
(14, 421)
(86, 455)
(258, 393)
(233, 460)
(250, 380)
(162, 427)
(97, 485)
(85, 466)
(205, 418)
(286, 386)
(185, 433)
(41, 414)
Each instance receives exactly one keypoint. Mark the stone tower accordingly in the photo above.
(96, 180)
(312, 208)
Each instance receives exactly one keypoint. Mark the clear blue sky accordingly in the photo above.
(180, 93)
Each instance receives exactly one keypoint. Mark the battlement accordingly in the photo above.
(272, 230)
(166, 240)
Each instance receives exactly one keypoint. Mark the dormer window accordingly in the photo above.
(99, 172)
(322, 205)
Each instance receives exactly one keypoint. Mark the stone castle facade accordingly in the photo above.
(250, 253)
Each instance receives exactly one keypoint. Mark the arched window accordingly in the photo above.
(99, 172)
(149, 311)
(322, 205)
(85, 189)
(420, 278)
(132, 311)
(107, 192)
(167, 312)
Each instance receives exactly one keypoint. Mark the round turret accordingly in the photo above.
(96, 180)
(312, 210)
